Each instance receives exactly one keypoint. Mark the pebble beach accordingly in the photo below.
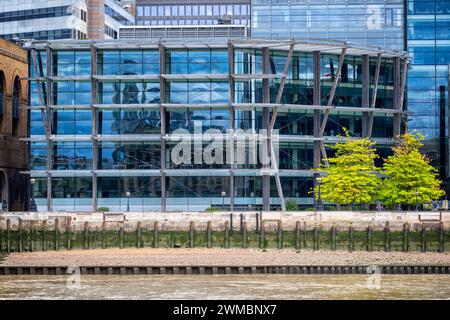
(221, 257)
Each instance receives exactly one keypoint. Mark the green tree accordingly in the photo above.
(410, 179)
(351, 177)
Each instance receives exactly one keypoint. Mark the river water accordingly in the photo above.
(227, 287)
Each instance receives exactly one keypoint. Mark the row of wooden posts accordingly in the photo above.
(300, 236)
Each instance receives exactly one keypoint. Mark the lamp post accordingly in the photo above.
(319, 199)
(223, 193)
(33, 206)
(417, 204)
(128, 195)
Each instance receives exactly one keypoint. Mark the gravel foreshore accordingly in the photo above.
(221, 257)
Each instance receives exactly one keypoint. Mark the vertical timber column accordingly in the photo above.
(317, 121)
(365, 94)
(265, 124)
(94, 127)
(397, 96)
(49, 127)
(162, 111)
(96, 19)
(232, 124)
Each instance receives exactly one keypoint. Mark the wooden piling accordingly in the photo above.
(56, 240)
(423, 245)
(227, 235)
(262, 244)
(32, 244)
(244, 234)
(191, 234)
(304, 235)
(315, 238)
(279, 235)
(20, 235)
(121, 235)
(351, 239)
(44, 235)
(103, 234)
(155, 234)
(387, 237)
(138, 235)
(297, 235)
(369, 238)
(69, 233)
(405, 239)
(333, 238)
(86, 236)
(208, 234)
(8, 235)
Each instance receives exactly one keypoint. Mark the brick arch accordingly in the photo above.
(22, 85)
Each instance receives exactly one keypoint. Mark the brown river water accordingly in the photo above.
(227, 287)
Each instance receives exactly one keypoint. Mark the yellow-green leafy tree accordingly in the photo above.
(410, 179)
(351, 177)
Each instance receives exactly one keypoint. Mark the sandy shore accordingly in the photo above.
(221, 257)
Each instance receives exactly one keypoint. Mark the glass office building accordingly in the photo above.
(368, 22)
(106, 116)
(428, 43)
(192, 12)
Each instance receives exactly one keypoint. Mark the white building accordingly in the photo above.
(61, 19)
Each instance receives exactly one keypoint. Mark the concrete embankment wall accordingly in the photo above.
(179, 221)
(370, 231)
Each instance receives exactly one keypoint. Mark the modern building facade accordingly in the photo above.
(13, 126)
(115, 113)
(62, 19)
(428, 43)
(192, 12)
(366, 22)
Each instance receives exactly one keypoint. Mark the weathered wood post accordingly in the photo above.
(387, 237)
(121, 235)
(191, 234)
(405, 237)
(227, 234)
(304, 234)
(297, 235)
(244, 234)
(279, 235)
(69, 233)
(138, 235)
(103, 234)
(86, 236)
(257, 222)
(241, 218)
(56, 234)
(351, 241)
(155, 235)
(44, 235)
(231, 223)
(369, 238)
(208, 234)
(423, 243)
(32, 245)
(262, 244)
(333, 237)
(315, 238)
(8, 235)
(20, 235)
(441, 237)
